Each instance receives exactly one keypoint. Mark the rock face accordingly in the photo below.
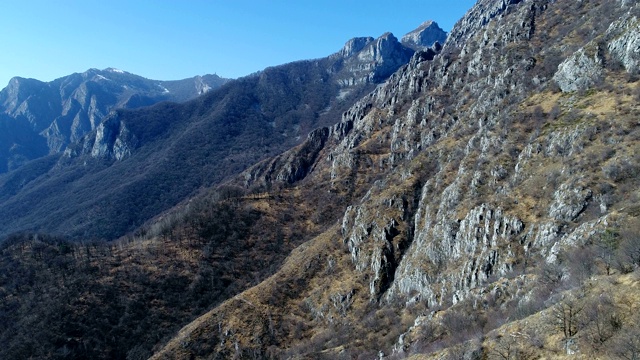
(110, 140)
(586, 67)
(625, 45)
(425, 36)
(580, 72)
(64, 110)
(366, 61)
(354, 46)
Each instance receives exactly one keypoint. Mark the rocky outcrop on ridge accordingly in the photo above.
(425, 36)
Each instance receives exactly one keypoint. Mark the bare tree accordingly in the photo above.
(602, 320)
(513, 346)
(566, 315)
(629, 249)
(607, 245)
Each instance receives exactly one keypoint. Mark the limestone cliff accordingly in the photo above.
(111, 140)
(365, 60)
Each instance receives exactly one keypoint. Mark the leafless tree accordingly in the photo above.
(606, 246)
(513, 346)
(629, 249)
(566, 315)
(602, 320)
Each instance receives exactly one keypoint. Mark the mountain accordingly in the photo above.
(486, 205)
(480, 203)
(135, 164)
(44, 117)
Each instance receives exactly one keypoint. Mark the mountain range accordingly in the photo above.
(134, 164)
(43, 118)
(473, 199)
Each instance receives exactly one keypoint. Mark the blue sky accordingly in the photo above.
(169, 40)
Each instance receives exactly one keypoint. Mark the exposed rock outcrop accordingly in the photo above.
(111, 140)
(586, 67)
(365, 60)
(354, 46)
(290, 167)
(425, 36)
(581, 71)
(625, 47)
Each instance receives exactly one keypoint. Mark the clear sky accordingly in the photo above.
(176, 39)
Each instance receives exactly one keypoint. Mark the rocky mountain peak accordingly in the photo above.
(366, 60)
(115, 70)
(18, 89)
(425, 36)
(354, 45)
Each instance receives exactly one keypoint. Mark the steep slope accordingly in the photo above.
(136, 164)
(480, 187)
(64, 110)
(120, 300)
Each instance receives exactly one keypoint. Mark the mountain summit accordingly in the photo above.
(425, 36)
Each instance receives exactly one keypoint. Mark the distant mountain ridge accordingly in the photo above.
(53, 114)
(362, 61)
(135, 164)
